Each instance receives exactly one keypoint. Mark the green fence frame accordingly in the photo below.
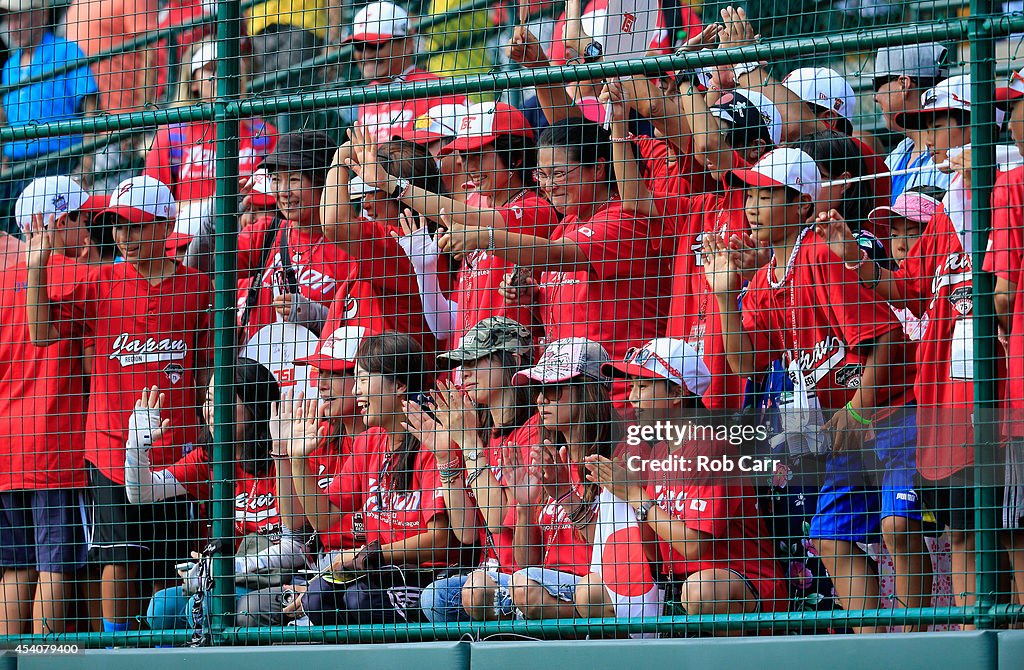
(983, 28)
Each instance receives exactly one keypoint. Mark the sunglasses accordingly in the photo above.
(641, 355)
(552, 392)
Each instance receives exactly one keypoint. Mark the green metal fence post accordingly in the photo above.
(226, 208)
(986, 426)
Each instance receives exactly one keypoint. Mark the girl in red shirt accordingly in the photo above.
(408, 538)
(256, 510)
(490, 426)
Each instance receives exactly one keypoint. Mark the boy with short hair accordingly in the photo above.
(844, 348)
(149, 318)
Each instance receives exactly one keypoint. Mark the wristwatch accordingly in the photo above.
(642, 511)
(400, 185)
(592, 52)
(471, 455)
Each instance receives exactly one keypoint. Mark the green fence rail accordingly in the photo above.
(982, 28)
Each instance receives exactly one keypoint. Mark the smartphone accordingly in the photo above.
(426, 403)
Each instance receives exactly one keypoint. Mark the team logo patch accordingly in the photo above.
(962, 299)
(849, 375)
(175, 372)
(60, 203)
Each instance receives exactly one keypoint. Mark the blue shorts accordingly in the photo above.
(861, 488)
(44, 530)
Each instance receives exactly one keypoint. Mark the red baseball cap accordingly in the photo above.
(176, 241)
(261, 195)
(337, 352)
(1012, 91)
(486, 122)
(439, 123)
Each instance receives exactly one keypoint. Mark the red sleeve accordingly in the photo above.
(193, 473)
(614, 241)
(158, 159)
(204, 325)
(383, 263)
(707, 509)
(430, 485)
(856, 312)
(1006, 241)
(534, 217)
(346, 490)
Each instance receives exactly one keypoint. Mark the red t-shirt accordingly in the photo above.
(145, 336)
(319, 267)
(380, 290)
(327, 462)
(255, 497)
(42, 394)
(621, 300)
(522, 440)
(183, 155)
(390, 516)
(821, 315)
(936, 281)
(693, 314)
(726, 509)
(388, 118)
(1004, 259)
(481, 273)
(661, 169)
(565, 549)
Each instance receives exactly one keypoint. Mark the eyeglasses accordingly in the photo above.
(557, 177)
(640, 356)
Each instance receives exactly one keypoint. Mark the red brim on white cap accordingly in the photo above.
(262, 199)
(419, 136)
(1006, 94)
(469, 143)
(373, 38)
(621, 369)
(176, 240)
(327, 363)
(132, 215)
(754, 178)
(918, 119)
(95, 204)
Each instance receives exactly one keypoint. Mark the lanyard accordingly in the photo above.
(790, 264)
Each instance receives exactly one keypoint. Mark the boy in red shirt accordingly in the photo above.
(42, 470)
(845, 347)
(149, 320)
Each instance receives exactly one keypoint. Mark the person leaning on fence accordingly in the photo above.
(268, 544)
(578, 550)
(288, 271)
(482, 436)
(380, 292)
(408, 541)
(148, 298)
(313, 486)
(35, 50)
(434, 129)
(385, 47)
(715, 553)
(42, 422)
(495, 145)
(902, 73)
(1005, 258)
(846, 352)
(183, 154)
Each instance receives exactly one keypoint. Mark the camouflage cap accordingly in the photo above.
(489, 336)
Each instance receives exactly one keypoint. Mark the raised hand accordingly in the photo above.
(361, 157)
(613, 94)
(40, 242)
(295, 425)
(526, 50)
(832, 229)
(521, 477)
(749, 254)
(144, 425)
(552, 464)
(456, 412)
(705, 39)
(721, 267)
(623, 483)
(428, 431)
(738, 30)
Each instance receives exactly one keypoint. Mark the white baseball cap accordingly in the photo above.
(785, 166)
(440, 122)
(49, 196)
(823, 88)
(567, 359)
(1006, 95)
(357, 188)
(665, 358)
(379, 22)
(337, 351)
(206, 53)
(142, 200)
(484, 123)
(953, 94)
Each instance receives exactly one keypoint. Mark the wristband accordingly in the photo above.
(857, 417)
(740, 69)
(475, 475)
(857, 263)
(490, 238)
(401, 185)
(627, 138)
